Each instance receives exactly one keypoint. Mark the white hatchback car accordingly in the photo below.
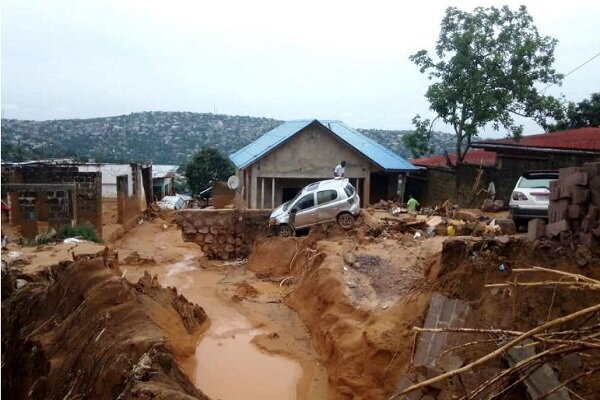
(531, 195)
(320, 202)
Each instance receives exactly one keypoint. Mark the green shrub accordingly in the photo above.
(83, 231)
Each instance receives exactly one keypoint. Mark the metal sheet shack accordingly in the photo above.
(274, 167)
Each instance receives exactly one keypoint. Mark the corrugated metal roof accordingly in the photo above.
(378, 154)
(581, 139)
(474, 156)
(163, 171)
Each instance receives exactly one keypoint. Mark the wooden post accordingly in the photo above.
(273, 193)
(262, 196)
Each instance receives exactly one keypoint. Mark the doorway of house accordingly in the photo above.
(288, 193)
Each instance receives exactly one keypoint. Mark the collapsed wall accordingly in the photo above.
(78, 330)
(223, 234)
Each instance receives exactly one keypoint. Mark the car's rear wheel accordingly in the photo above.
(286, 230)
(345, 220)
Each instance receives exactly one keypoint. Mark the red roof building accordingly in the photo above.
(576, 141)
(474, 156)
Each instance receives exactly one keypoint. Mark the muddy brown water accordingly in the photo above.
(227, 364)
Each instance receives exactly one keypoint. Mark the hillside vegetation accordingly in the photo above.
(160, 137)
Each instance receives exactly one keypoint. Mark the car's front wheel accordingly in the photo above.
(286, 230)
(345, 220)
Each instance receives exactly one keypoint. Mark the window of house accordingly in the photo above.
(307, 201)
(325, 196)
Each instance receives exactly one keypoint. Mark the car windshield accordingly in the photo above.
(292, 201)
(535, 183)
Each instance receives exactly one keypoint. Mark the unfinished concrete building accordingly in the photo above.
(274, 167)
(44, 194)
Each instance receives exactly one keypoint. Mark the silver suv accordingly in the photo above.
(319, 202)
(531, 195)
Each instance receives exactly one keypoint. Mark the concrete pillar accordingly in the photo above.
(262, 194)
(253, 189)
(273, 193)
(367, 190)
(15, 211)
(41, 205)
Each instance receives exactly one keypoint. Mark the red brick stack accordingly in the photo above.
(574, 204)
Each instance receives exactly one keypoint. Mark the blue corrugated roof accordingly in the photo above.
(378, 154)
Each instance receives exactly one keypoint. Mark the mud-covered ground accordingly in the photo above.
(326, 316)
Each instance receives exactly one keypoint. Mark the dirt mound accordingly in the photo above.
(365, 345)
(78, 330)
(274, 256)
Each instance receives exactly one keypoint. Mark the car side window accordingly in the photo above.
(325, 196)
(307, 201)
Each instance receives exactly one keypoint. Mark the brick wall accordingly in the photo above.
(41, 202)
(223, 234)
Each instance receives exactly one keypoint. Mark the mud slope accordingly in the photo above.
(360, 317)
(78, 330)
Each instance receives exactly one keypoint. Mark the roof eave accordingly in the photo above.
(494, 146)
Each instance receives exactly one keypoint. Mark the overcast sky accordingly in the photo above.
(316, 59)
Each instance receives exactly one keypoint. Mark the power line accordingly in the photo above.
(573, 70)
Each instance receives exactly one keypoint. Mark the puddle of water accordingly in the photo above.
(227, 365)
(233, 368)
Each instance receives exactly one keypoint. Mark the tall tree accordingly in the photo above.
(206, 167)
(487, 68)
(583, 114)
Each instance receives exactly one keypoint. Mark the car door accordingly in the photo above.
(306, 212)
(328, 204)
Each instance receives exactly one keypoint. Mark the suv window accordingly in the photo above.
(535, 183)
(307, 201)
(349, 189)
(325, 196)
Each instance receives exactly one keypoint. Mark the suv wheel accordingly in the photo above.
(345, 220)
(286, 230)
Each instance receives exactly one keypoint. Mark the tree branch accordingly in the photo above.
(502, 349)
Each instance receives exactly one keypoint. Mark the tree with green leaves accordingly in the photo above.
(583, 114)
(206, 167)
(488, 65)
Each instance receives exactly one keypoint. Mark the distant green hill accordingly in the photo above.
(161, 137)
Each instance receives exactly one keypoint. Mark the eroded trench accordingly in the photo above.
(295, 321)
(255, 346)
(325, 317)
(227, 365)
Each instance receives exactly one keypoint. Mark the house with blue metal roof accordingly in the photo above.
(282, 161)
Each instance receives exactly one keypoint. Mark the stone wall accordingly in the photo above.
(223, 234)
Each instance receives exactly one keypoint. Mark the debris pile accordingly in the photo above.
(573, 210)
